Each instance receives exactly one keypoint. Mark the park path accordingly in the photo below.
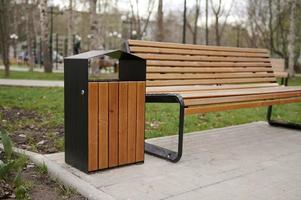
(31, 83)
(60, 69)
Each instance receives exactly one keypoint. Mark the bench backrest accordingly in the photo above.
(171, 64)
(278, 64)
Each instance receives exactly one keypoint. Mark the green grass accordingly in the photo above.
(33, 75)
(161, 119)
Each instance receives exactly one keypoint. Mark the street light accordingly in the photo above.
(90, 36)
(14, 38)
(125, 19)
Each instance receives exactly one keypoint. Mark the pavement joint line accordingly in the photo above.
(65, 177)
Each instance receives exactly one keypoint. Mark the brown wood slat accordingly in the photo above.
(151, 69)
(103, 131)
(140, 121)
(136, 49)
(190, 46)
(132, 120)
(173, 57)
(204, 101)
(92, 126)
(113, 124)
(176, 89)
(208, 81)
(237, 92)
(123, 123)
(173, 76)
(206, 64)
(232, 106)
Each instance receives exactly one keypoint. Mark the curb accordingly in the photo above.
(65, 177)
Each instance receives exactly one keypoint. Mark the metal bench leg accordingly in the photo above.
(162, 152)
(281, 123)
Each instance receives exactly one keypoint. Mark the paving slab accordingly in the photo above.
(251, 161)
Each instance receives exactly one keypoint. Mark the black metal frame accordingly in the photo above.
(284, 81)
(280, 123)
(162, 152)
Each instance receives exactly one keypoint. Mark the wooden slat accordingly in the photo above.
(123, 123)
(103, 131)
(151, 69)
(209, 81)
(171, 76)
(113, 124)
(140, 121)
(92, 126)
(191, 46)
(136, 49)
(132, 120)
(206, 64)
(177, 56)
(177, 89)
(231, 106)
(204, 101)
(237, 92)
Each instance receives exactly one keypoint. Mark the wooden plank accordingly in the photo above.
(140, 121)
(123, 123)
(175, 89)
(176, 76)
(151, 69)
(177, 56)
(237, 92)
(204, 101)
(232, 106)
(136, 49)
(209, 81)
(113, 124)
(92, 126)
(206, 64)
(132, 121)
(192, 46)
(103, 133)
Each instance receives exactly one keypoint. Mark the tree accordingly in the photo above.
(160, 28)
(219, 11)
(139, 23)
(70, 28)
(291, 38)
(196, 18)
(206, 26)
(95, 26)
(44, 36)
(4, 34)
(30, 33)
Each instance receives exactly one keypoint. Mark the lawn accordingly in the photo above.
(41, 110)
(33, 75)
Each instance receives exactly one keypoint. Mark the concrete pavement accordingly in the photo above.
(250, 162)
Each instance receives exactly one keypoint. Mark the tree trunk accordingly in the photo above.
(4, 32)
(160, 28)
(217, 37)
(94, 26)
(70, 28)
(184, 24)
(196, 19)
(291, 38)
(30, 35)
(207, 32)
(44, 36)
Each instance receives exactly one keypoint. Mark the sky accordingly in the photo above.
(237, 11)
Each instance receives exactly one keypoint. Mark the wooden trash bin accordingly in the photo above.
(104, 114)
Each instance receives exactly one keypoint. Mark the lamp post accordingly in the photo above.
(14, 38)
(90, 37)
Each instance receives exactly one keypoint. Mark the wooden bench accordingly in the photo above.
(278, 65)
(209, 78)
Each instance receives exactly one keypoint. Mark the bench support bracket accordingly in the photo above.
(162, 152)
(280, 123)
